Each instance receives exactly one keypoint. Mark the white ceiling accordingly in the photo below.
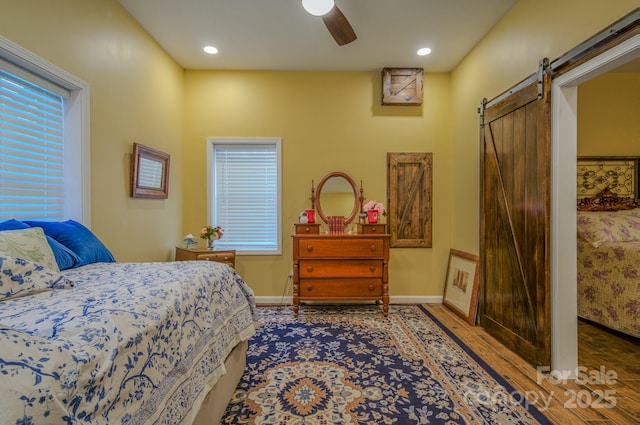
(280, 35)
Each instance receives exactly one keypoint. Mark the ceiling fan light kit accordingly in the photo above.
(333, 18)
(318, 7)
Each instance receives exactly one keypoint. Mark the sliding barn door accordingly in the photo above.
(514, 227)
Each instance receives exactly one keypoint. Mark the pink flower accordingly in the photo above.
(210, 232)
(373, 205)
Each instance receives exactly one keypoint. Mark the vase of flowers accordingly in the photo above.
(211, 233)
(374, 210)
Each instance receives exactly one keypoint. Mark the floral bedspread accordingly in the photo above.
(131, 343)
(609, 285)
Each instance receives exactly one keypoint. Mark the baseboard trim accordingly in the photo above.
(410, 299)
(397, 299)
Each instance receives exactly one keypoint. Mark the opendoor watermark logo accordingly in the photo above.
(587, 397)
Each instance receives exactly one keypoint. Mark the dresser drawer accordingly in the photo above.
(372, 229)
(340, 268)
(307, 229)
(335, 289)
(345, 248)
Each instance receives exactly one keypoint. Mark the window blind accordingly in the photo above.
(31, 150)
(245, 196)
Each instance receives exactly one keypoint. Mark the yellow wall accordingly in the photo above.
(136, 96)
(609, 115)
(328, 121)
(511, 51)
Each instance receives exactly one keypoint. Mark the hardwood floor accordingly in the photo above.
(608, 393)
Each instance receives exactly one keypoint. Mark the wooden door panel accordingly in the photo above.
(514, 266)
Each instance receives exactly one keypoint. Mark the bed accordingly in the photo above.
(102, 342)
(608, 243)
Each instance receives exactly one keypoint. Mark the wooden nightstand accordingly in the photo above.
(226, 256)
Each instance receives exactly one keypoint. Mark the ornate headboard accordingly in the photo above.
(608, 183)
(619, 174)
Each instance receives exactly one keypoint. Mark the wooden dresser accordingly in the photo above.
(227, 257)
(340, 267)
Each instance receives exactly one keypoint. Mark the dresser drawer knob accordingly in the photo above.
(371, 287)
(373, 229)
(309, 248)
(309, 269)
(372, 268)
(309, 288)
(372, 248)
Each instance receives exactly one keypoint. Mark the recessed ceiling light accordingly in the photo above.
(211, 50)
(424, 51)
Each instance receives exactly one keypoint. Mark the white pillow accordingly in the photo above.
(30, 244)
(20, 277)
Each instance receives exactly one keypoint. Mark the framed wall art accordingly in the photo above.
(461, 285)
(149, 173)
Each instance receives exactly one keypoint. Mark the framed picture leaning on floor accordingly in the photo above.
(461, 285)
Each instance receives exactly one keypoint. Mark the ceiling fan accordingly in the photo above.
(335, 21)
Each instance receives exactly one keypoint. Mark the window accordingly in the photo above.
(244, 194)
(44, 172)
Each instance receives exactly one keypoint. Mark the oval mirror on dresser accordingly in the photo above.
(337, 194)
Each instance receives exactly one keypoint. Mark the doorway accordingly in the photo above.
(564, 297)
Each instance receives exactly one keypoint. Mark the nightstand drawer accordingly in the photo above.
(333, 289)
(226, 257)
(340, 268)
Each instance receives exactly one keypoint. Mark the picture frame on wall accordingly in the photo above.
(461, 285)
(149, 173)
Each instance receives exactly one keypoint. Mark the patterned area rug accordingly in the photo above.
(351, 365)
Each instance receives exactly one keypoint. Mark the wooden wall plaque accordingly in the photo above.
(402, 86)
(409, 187)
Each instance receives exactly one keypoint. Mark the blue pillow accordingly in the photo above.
(65, 258)
(78, 239)
(13, 225)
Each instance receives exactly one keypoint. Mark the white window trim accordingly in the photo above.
(76, 129)
(211, 141)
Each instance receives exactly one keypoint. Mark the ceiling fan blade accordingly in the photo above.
(339, 27)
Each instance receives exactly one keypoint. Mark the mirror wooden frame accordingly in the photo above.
(141, 154)
(357, 198)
